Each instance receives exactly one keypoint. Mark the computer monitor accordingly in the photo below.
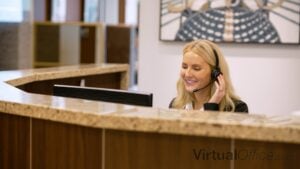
(104, 94)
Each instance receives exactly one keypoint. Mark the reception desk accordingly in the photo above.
(38, 130)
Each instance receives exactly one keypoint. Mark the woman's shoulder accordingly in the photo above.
(187, 106)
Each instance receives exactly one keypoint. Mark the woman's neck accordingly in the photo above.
(201, 98)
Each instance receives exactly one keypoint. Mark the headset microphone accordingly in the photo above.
(196, 90)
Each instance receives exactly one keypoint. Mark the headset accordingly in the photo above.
(215, 72)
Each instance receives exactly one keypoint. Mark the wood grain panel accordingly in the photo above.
(118, 43)
(9, 46)
(48, 11)
(111, 80)
(87, 44)
(135, 150)
(47, 43)
(14, 142)
(265, 155)
(60, 146)
(82, 7)
(122, 11)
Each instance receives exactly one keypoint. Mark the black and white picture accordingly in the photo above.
(236, 21)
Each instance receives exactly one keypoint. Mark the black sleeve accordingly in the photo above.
(241, 107)
(171, 103)
(211, 106)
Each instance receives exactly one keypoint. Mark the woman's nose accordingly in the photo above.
(188, 72)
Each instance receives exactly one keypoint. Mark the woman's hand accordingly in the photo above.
(220, 90)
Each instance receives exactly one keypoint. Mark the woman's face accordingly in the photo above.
(195, 72)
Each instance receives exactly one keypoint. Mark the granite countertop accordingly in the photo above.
(125, 117)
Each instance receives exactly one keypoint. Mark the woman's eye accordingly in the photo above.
(184, 66)
(197, 68)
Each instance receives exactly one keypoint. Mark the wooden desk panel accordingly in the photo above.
(265, 155)
(60, 146)
(14, 142)
(111, 80)
(135, 150)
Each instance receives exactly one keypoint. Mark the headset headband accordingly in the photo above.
(217, 58)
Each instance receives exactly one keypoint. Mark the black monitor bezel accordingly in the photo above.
(104, 94)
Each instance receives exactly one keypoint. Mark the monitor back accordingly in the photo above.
(104, 94)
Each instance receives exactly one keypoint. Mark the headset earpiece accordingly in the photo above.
(215, 72)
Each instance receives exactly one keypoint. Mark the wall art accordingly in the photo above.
(233, 21)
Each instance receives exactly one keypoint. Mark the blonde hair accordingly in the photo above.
(206, 49)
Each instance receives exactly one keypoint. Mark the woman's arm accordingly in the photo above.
(240, 107)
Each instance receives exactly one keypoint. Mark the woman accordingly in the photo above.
(204, 82)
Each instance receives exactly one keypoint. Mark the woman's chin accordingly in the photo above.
(190, 89)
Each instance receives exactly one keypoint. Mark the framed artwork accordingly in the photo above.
(233, 21)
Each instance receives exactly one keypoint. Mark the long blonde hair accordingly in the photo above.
(205, 49)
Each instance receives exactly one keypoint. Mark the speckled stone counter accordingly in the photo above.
(116, 116)
(110, 118)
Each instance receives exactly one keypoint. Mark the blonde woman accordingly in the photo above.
(204, 82)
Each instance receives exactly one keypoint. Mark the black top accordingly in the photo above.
(240, 106)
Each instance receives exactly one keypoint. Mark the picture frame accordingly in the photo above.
(231, 21)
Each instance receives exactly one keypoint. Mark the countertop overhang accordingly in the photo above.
(106, 115)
